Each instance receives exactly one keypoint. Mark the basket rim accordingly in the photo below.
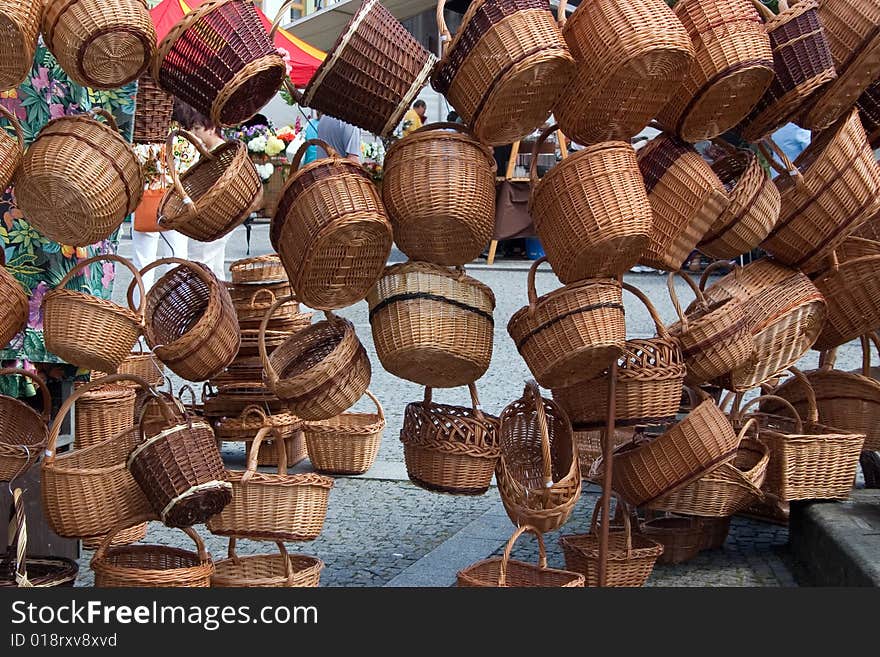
(166, 45)
(412, 266)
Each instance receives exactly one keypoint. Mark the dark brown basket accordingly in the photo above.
(681, 537)
(869, 110)
(23, 431)
(152, 116)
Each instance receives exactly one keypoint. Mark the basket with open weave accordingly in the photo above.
(23, 431)
(347, 443)
(281, 570)
(11, 146)
(21, 29)
(103, 413)
(14, 313)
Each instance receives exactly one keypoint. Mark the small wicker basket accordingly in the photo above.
(267, 570)
(260, 269)
(681, 537)
(11, 147)
(103, 413)
(347, 443)
(152, 116)
(15, 310)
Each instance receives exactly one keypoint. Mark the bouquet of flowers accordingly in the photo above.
(287, 134)
(373, 156)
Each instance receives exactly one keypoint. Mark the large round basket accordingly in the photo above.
(11, 147)
(23, 431)
(347, 443)
(102, 45)
(15, 309)
(213, 196)
(432, 325)
(732, 69)
(681, 537)
(267, 570)
(571, 334)
(88, 331)
(20, 26)
(103, 413)
(84, 171)
(450, 449)
(439, 191)
(220, 59)
(591, 211)
(504, 69)
(629, 60)
(319, 241)
(152, 116)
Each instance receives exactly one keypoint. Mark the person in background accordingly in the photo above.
(414, 118)
(793, 140)
(311, 133)
(343, 137)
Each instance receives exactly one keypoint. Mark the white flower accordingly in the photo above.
(258, 144)
(265, 170)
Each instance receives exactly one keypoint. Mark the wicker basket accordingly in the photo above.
(507, 572)
(646, 470)
(355, 82)
(84, 170)
(103, 413)
(439, 192)
(190, 322)
(144, 365)
(450, 449)
(178, 466)
(152, 116)
(215, 195)
(850, 27)
(591, 211)
(630, 559)
(869, 111)
(686, 200)
(538, 474)
(347, 443)
(254, 309)
(152, 566)
(12, 147)
(319, 241)
(231, 399)
(23, 431)
(753, 210)
(505, 68)
(87, 331)
(133, 534)
(649, 382)
(87, 492)
(18, 569)
(732, 69)
(830, 189)
(267, 570)
(261, 269)
(294, 447)
(320, 371)
(15, 309)
(253, 418)
(103, 45)
(714, 531)
(630, 58)
(220, 60)
(571, 334)
(21, 28)
(589, 445)
(276, 507)
(432, 325)
(681, 537)
(715, 338)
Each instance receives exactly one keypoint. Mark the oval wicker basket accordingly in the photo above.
(213, 196)
(732, 69)
(15, 309)
(682, 538)
(11, 147)
(103, 413)
(220, 59)
(432, 325)
(319, 240)
(20, 21)
(504, 69)
(294, 447)
(82, 170)
(347, 443)
(23, 431)
(260, 269)
(439, 192)
(133, 534)
(102, 45)
(88, 331)
(571, 334)
(253, 418)
(152, 116)
(591, 211)
(629, 59)
(267, 570)
(450, 449)
(686, 200)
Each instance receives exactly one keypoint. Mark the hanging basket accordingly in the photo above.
(231, 400)
(11, 147)
(571, 334)
(287, 317)
(450, 449)
(432, 325)
(84, 171)
(260, 269)
(23, 431)
(830, 189)
(629, 60)
(215, 195)
(347, 443)
(681, 538)
(15, 309)
(267, 570)
(591, 212)
(133, 534)
(273, 507)
(439, 191)
(686, 200)
(152, 116)
(538, 475)
(220, 59)
(319, 240)
(103, 413)
(732, 70)
(649, 382)
(189, 320)
(506, 572)
(142, 364)
(504, 69)
(102, 45)
(21, 28)
(753, 210)
(630, 557)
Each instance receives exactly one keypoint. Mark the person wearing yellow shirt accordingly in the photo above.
(414, 118)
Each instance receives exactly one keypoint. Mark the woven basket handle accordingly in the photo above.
(379, 410)
(17, 542)
(16, 126)
(670, 285)
(799, 425)
(55, 430)
(652, 311)
(187, 388)
(45, 395)
(812, 404)
(120, 526)
(533, 165)
(95, 112)
(718, 264)
(260, 292)
(542, 551)
(789, 169)
(171, 164)
(254, 411)
(200, 273)
(475, 400)
(301, 153)
(532, 394)
(139, 311)
(533, 294)
(280, 448)
(627, 522)
(261, 339)
(560, 13)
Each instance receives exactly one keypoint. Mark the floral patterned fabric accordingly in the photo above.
(37, 262)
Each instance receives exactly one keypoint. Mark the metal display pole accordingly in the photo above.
(607, 444)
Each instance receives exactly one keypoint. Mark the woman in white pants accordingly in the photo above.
(147, 247)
